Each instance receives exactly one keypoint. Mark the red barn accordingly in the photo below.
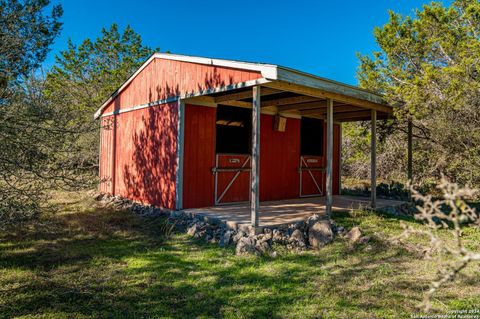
(188, 132)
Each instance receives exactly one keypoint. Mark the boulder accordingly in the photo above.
(98, 196)
(278, 237)
(245, 246)
(225, 239)
(192, 230)
(297, 240)
(312, 220)
(262, 247)
(353, 235)
(364, 240)
(340, 230)
(297, 235)
(238, 236)
(320, 233)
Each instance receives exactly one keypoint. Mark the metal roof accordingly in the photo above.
(270, 72)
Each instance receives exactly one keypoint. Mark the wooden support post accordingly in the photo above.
(179, 157)
(373, 159)
(410, 157)
(329, 183)
(255, 175)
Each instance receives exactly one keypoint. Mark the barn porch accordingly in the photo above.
(281, 212)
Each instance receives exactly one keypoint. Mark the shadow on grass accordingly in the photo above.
(112, 264)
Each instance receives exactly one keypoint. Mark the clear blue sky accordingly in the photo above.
(319, 37)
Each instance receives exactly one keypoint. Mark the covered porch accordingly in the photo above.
(282, 212)
(289, 93)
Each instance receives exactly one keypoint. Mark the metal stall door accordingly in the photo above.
(312, 176)
(232, 178)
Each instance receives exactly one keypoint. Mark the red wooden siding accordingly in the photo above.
(138, 148)
(199, 156)
(106, 152)
(167, 78)
(279, 156)
(145, 155)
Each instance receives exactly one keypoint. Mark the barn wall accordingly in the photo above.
(106, 152)
(280, 153)
(279, 159)
(163, 78)
(199, 156)
(145, 155)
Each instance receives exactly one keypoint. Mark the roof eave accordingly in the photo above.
(316, 82)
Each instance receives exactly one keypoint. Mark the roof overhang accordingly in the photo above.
(273, 76)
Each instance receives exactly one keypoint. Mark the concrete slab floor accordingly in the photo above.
(274, 213)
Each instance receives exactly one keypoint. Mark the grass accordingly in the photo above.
(85, 262)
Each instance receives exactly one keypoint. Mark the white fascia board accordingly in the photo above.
(313, 81)
(120, 89)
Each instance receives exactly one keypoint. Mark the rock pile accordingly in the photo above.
(313, 233)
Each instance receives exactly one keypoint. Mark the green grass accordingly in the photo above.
(85, 262)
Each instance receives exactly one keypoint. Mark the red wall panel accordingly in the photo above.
(279, 158)
(145, 155)
(106, 152)
(280, 155)
(164, 78)
(199, 156)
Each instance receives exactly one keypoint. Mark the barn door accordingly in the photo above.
(312, 176)
(232, 178)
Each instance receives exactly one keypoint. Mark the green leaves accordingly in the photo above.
(26, 34)
(429, 65)
(86, 74)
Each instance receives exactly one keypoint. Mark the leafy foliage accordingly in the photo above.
(429, 66)
(28, 128)
(85, 75)
(48, 136)
(452, 213)
(25, 36)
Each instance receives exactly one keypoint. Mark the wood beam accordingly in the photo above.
(303, 106)
(238, 103)
(211, 99)
(243, 95)
(373, 159)
(255, 174)
(340, 109)
(353, 115)
(329, 199)
(300, 89)
(289, 100)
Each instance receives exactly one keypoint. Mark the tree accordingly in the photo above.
(25, 38)
(85, 75)
(449, 212)
(429, 66)
(27, 125)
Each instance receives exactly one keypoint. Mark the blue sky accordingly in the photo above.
(319, 37)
